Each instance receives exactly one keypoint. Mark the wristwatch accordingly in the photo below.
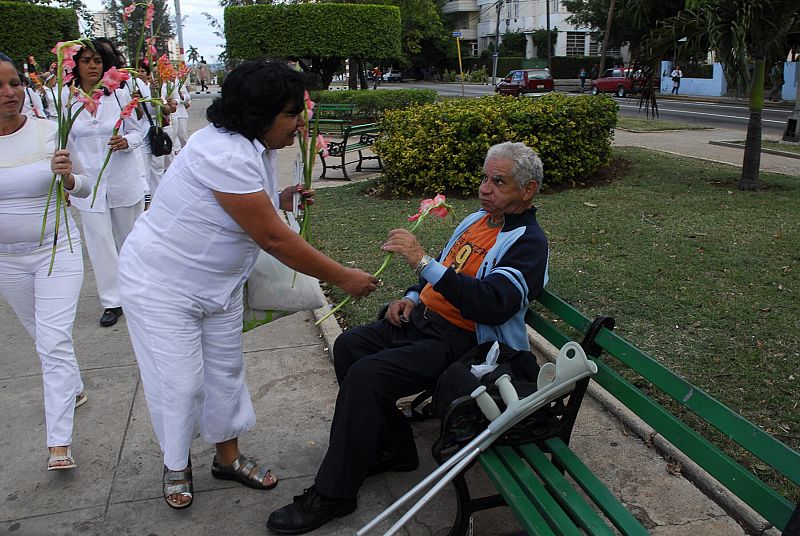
(423, 262)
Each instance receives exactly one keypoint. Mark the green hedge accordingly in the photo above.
(441, 147)
(570, 66)
(371, 104)
(33, 29)
(312, 30)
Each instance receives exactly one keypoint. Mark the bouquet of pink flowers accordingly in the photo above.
(65, 65)
(311, 142)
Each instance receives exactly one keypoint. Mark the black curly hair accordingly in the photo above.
(109, 59)
(254, 93)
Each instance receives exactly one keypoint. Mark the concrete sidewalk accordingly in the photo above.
(116, 488)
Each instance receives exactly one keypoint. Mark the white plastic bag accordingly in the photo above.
(489, 364)
(273, 286)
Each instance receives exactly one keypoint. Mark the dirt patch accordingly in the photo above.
(617, 169)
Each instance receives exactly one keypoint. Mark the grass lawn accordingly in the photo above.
(700, 275)
(789, 148)
(653, 125)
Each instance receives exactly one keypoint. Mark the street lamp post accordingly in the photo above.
(496, 42)
(179, 27)
(549, 46)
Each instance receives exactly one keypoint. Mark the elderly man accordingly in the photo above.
(477, 290)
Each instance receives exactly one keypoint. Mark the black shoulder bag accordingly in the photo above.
(160, 144)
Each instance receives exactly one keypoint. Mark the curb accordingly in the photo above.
(737, 145)
(329, 329)
(702, 480)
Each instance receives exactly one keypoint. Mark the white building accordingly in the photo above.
(174, 50)
(103, 24)
(477, 22)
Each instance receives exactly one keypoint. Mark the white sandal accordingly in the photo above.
(81, 399)
(59, 459)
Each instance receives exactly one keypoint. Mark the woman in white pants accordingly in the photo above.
(120, 196)
(183, 267)
(181, 117)
(44, 304)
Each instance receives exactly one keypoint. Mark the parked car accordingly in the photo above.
(525, 81)
(618, 81)
(392, 75)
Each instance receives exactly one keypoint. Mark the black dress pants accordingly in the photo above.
(376, 364)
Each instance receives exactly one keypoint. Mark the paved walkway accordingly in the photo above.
(116, 489)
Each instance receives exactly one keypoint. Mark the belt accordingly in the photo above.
(429, 314)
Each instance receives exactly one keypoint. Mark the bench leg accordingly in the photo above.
(463, 510)
(793, 526)
(344, 166)
(324, 166)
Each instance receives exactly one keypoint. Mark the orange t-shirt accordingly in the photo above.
(465, 257)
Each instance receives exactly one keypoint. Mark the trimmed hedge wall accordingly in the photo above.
(441, 147)
(312, 30)
(371, 104)
(33, 29)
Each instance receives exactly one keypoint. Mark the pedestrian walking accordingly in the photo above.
(203, 75)
(676, 76)
(582, 76)
(776, 77)
(120, 194)
(45, 303)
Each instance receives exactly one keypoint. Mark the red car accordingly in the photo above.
(525, 81)
(618, 81)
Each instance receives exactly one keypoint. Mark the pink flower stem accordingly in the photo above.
(102, 169)
(378, 272)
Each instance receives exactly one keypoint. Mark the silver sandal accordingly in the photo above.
(59, 458)
(178, 483)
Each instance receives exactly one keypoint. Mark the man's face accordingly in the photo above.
(499, 193)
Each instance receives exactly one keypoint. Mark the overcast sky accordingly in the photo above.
(196, 31)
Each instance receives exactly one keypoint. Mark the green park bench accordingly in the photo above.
(333, 118)
(529, 472)
(355, 138)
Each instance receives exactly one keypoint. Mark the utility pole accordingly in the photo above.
(179, 27)
(496, 42)
(606, 35)
(549, 46)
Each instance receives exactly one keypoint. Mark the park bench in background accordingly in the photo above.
(529, 471)
(355, 138)
(334, 118)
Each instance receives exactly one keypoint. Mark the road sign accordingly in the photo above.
(456, 34)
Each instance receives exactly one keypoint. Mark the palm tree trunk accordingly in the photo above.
(752, 146)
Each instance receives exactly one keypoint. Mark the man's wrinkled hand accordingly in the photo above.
(399, 311)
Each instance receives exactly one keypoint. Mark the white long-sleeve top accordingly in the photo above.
(182, 96)
(25, 179)
(52, 105)
(121, 184)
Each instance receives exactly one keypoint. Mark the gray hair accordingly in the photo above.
(527, 165)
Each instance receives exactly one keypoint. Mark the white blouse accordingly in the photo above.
(32, 105)
(25, 179)
(121, 185)
(181, 96)
(186, 241)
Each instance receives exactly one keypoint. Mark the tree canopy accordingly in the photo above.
(128, 32)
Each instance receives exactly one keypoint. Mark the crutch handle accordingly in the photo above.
(486, 403)
(507, 391)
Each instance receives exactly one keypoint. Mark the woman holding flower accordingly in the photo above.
(45, 305)
(108, 218)
(183, 268)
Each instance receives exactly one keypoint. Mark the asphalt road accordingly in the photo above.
(733, 116)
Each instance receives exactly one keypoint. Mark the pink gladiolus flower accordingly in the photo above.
(322, 145)
(68, 77)
(128, 11)
(129, 108)
(113, 79)
(67, 51)
(436, 206)
(68, 64)
(89, 104)
(148, 17)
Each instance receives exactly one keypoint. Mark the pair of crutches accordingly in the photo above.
(554, 380)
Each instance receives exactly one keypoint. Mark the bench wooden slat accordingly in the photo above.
(527, 514)
(602, 497)
(544, 502)
(736, 427)
(564, 492)
(769, 503)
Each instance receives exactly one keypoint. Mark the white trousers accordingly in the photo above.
(181, 132)
(168, 158)
(46, 307)
(192, 365)
(104, 233)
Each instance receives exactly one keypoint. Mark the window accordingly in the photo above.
(576, 43)
(594, 46)
(473, 48)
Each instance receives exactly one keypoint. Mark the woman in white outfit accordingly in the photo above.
(183, 267)
(45, 305)
(181, 117)
(120, 196)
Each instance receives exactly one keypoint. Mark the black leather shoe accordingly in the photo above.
(110, 316)
(399, 461)
(309, 511)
